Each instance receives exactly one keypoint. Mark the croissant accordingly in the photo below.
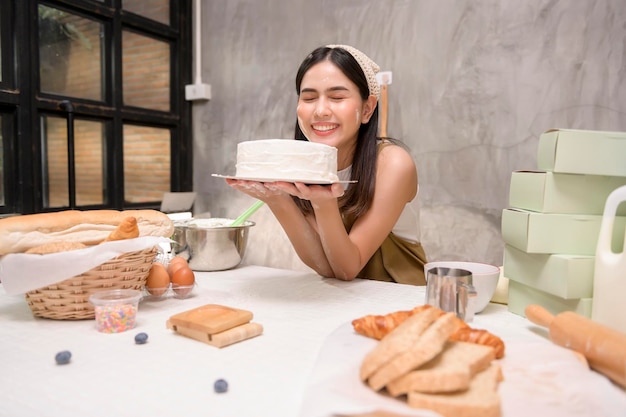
(127, 229)
(480, 337)
(378, 326)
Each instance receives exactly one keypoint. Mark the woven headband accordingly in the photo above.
(369, 67)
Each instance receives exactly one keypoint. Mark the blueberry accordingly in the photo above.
(141, 338)
(63, 357)
(220, 386)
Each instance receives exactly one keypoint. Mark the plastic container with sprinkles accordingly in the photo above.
(115, 310)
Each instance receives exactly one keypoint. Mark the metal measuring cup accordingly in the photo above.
(451, 290)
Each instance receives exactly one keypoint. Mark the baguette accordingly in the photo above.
(90, 227)
(55, 247)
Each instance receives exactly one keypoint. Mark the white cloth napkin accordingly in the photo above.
(20, 272)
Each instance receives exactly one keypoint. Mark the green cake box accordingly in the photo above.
(562, 275)
(551, 192)
(520, 296)
(573, 234)
(582, 152)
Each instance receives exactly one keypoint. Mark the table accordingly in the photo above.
(269, 375)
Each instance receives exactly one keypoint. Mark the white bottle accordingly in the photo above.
(609, 281)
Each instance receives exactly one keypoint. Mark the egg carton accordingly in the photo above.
(180, 292)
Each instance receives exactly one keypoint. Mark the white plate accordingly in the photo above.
(318, 182)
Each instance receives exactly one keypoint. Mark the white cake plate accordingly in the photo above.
(310, 182)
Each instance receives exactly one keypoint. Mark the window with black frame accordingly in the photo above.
(8, 104)
(100, 115)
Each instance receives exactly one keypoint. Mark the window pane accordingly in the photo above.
(146, 163)
(0, 50)
(89, 162)
(70, 54)
(146, 72)
(2, 176)
(54, 159)
(158, 10)
(89, 166)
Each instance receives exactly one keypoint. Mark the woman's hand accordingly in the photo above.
(316, 194)
(300, 230)
(259, 190)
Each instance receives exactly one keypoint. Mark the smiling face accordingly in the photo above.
(331, 110)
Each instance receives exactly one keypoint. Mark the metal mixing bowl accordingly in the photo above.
(213, 245)
(179, 241)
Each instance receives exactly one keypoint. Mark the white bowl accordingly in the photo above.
(484, 277)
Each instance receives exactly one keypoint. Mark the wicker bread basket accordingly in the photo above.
(69, 299)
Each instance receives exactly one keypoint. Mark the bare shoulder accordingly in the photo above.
(396, 166)
(395, 158)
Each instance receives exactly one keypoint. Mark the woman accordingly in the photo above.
(370, 229)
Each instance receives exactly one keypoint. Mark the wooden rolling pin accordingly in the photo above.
(604, 348)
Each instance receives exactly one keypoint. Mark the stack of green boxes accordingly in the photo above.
(551, 229)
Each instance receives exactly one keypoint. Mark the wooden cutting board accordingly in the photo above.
(211, 318)
(225, 338)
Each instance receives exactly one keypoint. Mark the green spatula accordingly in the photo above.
(241, 219)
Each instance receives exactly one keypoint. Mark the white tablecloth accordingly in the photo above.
(306, 322)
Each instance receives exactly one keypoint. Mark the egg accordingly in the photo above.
(183, 280)
(175, 264)
(178, 259)
(158, 280)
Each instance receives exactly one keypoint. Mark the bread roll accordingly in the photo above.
(90, 227)
(127, 229)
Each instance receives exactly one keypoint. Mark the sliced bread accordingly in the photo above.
(428, 345)
(481, 399)
(452, 370)
(397, 342)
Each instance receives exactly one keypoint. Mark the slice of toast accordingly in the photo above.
(428, 345)
(397, 342)
(481, 399)
(451, 370)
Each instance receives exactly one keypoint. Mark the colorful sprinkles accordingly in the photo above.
(115, 318)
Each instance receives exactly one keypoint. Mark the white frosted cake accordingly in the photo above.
(287, 159)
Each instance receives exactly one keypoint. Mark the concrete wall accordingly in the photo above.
(475, 82)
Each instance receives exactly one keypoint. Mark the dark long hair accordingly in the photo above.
(359, 195)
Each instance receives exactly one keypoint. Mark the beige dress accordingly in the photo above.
(401, 257)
